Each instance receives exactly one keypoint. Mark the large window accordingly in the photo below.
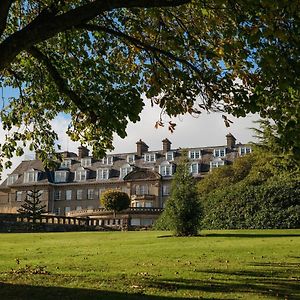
(195, 168)
(141, 190)
(68, 194)
(86, 162)
(12, 178)
(60, 176)
(166, 190)
(170, 156)
(124, 170)
(79, 194)
(18, 196)
(195, 154)
(81, 174)
(150, 157)
(108, 160)
(102, 174)
(221, 152)
(166, 169)
(57, 195)
(244, 150)
(90, 194)
(31, 176)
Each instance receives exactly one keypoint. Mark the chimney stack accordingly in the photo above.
(83, 152)
(141, 147)
(166, 145)
(230, 141)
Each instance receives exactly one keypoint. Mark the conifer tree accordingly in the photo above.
(183, 210)
(32, 206)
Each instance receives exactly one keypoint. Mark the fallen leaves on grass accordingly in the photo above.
(31, 270)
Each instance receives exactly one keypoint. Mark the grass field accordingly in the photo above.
(245, 264)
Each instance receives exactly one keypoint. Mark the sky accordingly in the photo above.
(205, 130)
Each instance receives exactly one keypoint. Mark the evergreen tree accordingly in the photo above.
(32, 207)
(183, 210)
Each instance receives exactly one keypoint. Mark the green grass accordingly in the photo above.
(244, 264)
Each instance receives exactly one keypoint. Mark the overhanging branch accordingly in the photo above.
(4, 9)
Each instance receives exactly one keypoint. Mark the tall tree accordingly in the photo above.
(94, 59)
(183, 211)
(32, 206)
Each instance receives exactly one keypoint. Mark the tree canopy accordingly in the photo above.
(95, 59)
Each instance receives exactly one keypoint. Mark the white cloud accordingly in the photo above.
(206, 130)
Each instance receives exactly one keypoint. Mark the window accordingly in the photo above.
(102, 174)
(90, 207)
(244, 150)
(79, 194)
(108, 160)
(148, 204)
(90, 194)
(66, 163)
(195, 168)
(60, 176)
(150, 157)
(165, 190)
(125, 170)
(219, 152)
(166, 169)
(68, 194)
(81, 174)
(78, 208)
(216, 164)
(131, 158)
(86, 162)
(18, 196)
(67, 209)
(31, 176)
(195, 154)
(170, 156)
(57, 211)
(12, 179)
(57, 195)
(141, 190)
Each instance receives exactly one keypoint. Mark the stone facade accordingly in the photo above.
(79, 181)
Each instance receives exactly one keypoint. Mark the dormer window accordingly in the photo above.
(166, 169)
(130, 158)
(108, 160)
(102, 174)
(60, 176)
(81, 174)
(195, 168)
(86, 162)
(12, 178)
(221, 152)
(66, 163)
(150, 157)
(244, 150)
(170, 156)
(124, 170)
(195, 154)
(31, 176)
(217, 163)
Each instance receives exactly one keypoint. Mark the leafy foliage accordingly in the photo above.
(94, 59)
(32, 206)
(115, 200)
(183, 212)
(260, 190)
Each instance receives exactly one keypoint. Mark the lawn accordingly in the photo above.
(244, 264)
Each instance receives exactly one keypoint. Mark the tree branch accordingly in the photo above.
(49, 24)
(60, 81)
(138, 43)
(4, 9)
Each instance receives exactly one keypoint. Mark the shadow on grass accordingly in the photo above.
(281, 288)
(237, 235)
